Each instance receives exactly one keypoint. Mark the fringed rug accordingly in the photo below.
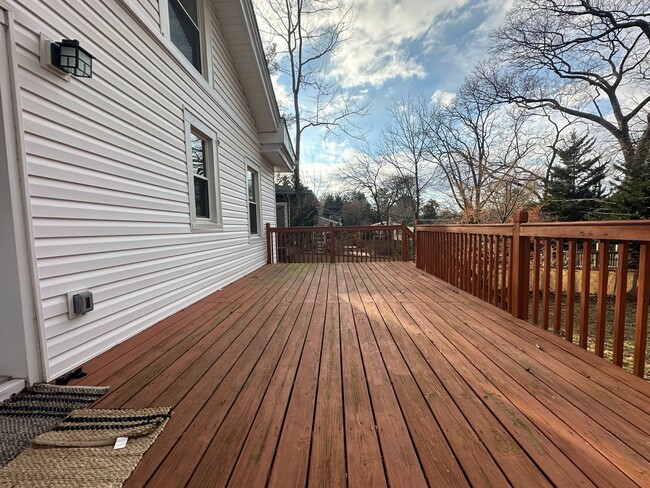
(36, 410)
(81, 451)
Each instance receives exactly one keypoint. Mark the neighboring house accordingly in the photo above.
(287, 205)
(148, 184)
(323, 222)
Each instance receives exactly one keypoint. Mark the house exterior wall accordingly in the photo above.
(108, 177)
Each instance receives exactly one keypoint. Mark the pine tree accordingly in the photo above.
(631, 201)
(575, 188)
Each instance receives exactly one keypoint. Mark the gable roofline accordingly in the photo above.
(253, 31)
(241, 32)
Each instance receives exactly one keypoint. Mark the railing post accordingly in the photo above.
(404, 248)
(269, 250)
(415, 243)
(519, 264)
(332, 251)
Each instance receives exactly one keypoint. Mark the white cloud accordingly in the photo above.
(400, 39)
(391, 37)
(282, 95)
(443, 97)
(377, 50)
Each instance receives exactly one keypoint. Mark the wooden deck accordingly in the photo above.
(372, 374)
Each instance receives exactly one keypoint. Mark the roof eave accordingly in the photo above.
(277, 148)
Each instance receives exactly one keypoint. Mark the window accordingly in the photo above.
(252, 183)
(203, 174)
(184, 29)
(201, 181)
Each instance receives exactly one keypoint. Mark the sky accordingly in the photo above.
(396, 48)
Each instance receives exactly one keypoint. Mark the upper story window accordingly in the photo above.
(203, 175)
(184, 29)
(252, 183)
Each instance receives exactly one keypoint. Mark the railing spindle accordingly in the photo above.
(621, 302)
(570, 290)
(559, 269)
(490, 267)
(497, 245)
(473, 264)
(546, 298)
(642, 299)
(601, 304)
(504, 274)
(536, 266)
(484, 294)
(585, 292)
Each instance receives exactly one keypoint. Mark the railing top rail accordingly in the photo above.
(409, 232)
(491, 229)
(628, 230)
(338, 228)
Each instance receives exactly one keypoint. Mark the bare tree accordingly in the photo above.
(484, 151)
(370, 173)
(588, 59)
(406, 140)
(306, 34)
(318, 181)
(512, 193)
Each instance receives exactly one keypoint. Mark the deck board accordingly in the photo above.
(372, 374)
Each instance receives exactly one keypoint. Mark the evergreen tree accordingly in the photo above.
(430, 210)
(356, 210)
(332, 204)
(632, 198)
(575, 189)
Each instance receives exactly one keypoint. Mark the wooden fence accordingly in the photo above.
(339, 244)
(509, 266)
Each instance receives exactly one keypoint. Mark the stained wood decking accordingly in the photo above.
(372, 374)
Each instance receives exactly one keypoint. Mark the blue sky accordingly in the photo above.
(399, 47)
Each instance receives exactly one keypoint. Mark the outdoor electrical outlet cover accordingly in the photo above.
(71, 313)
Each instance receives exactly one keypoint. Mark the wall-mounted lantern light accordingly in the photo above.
(70, 57)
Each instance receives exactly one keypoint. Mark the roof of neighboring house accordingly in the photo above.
(326, 221)
(241, 32)
(288, 190)
(386, 223)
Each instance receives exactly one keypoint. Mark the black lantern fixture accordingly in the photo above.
(69, 56)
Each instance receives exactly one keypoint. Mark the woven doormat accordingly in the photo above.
(81, 450)
(36, 410)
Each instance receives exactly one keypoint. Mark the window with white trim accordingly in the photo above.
(252, 185)
(185, 29)
(203, 174)
(200, 174)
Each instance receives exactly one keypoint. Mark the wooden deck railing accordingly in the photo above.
(339, 244)
(524, 267)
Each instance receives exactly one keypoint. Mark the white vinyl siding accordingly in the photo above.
(108, 176)
(151, 10)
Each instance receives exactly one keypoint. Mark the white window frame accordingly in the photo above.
(257, 170)
(215, 221)
(205, 44)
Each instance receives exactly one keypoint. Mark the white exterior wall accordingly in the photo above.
(108, 179)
